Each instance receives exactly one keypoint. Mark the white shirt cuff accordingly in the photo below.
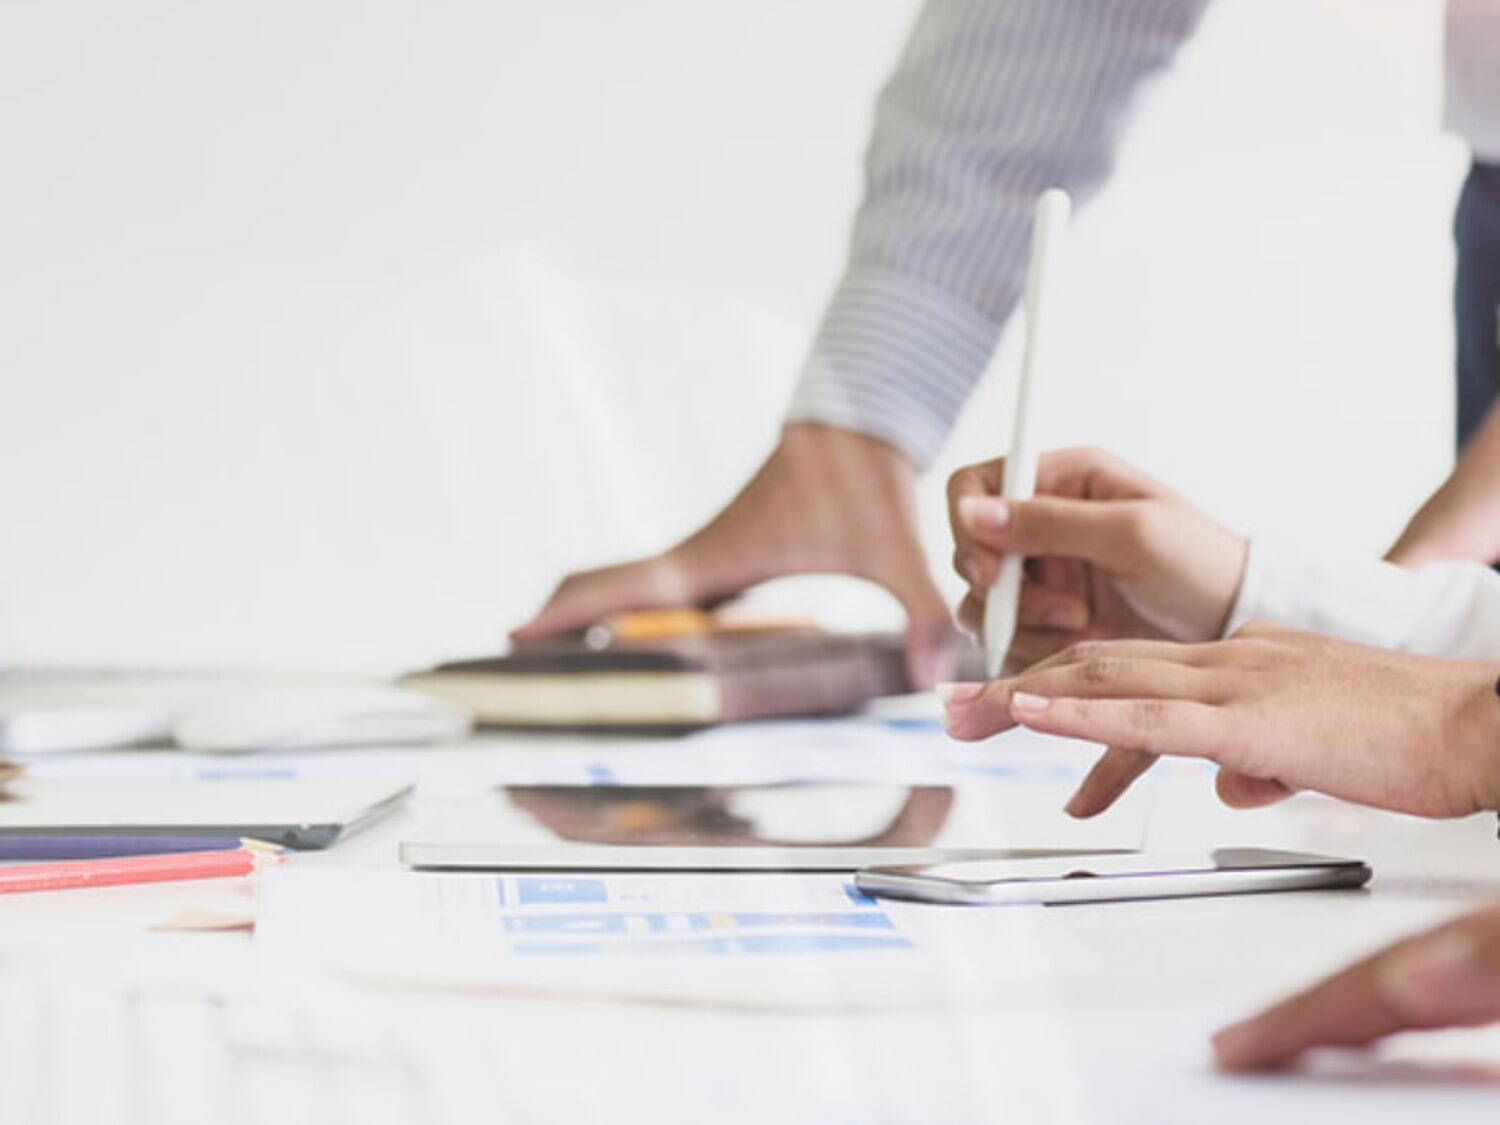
(1447, 609)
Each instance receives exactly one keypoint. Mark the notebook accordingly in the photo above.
(673, 684)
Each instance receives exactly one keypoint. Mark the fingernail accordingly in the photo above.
(959, 693)
(1428, 973)
(985, 511)
(1075, 806)
(1028, 704)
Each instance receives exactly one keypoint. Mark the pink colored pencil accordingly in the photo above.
(134, 869)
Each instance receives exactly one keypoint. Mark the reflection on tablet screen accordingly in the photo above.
(741, 816)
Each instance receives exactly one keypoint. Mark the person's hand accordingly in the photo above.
(1277, 710)
(1447, 977)
(827, 500)
(1111, 554)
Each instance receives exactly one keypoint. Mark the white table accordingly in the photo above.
(1123, 1040)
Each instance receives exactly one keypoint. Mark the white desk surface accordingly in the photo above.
(1123, 1041)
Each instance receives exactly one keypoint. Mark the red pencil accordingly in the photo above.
(134, 869)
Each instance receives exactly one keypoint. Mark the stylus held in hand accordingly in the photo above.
(1003, 602)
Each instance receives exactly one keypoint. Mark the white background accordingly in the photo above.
(330, 334)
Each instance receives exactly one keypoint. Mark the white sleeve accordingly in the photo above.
(1447, 609)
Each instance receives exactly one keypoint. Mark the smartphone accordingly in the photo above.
(1113, 878)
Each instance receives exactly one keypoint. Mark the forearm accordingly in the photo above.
(990, 103)
(1461, 520)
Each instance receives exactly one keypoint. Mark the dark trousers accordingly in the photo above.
(1476, 297)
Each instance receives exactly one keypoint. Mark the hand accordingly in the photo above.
(1447, 977)
(827, 500)
(1277, 710)
(1111, 553)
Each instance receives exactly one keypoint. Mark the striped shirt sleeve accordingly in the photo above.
(992, 101)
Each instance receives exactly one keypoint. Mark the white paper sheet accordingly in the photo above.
(750, 940)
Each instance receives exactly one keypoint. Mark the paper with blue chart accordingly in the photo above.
(753, 939)
(587, 915)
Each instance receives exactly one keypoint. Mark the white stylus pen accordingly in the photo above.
(1003, 603)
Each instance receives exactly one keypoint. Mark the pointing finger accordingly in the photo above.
(1114, 773)
(988, 708)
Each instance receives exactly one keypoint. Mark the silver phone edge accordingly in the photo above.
(1117, 888)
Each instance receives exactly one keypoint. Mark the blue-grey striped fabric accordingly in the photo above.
(991, 102)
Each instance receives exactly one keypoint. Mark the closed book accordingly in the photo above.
(676, 684)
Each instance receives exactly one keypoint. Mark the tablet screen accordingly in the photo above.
(832, 826)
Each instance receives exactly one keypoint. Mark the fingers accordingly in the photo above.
(1078, 471)
(1265, 631)
(974, 505)
(1178, 727)
(1093, 473)
(1114, 772)
(1032, 646)
(584, 598)
(976, 711)
(1448, 977)
(1091, 477)
(1165, 651)
(1029, 646)
(972, 483)
(1242, 791)
(983, 479)
(931, 651)
(1112, 534)
(1041, 607)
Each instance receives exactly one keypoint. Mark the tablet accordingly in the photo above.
(295, 813)
(784, 827)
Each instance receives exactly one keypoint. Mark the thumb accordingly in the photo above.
(1107, 533)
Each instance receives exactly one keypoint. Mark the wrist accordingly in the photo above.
(817, 438)
(1234, 560)
(1479, 722)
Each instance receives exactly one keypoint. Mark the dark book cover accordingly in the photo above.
(759, 674)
